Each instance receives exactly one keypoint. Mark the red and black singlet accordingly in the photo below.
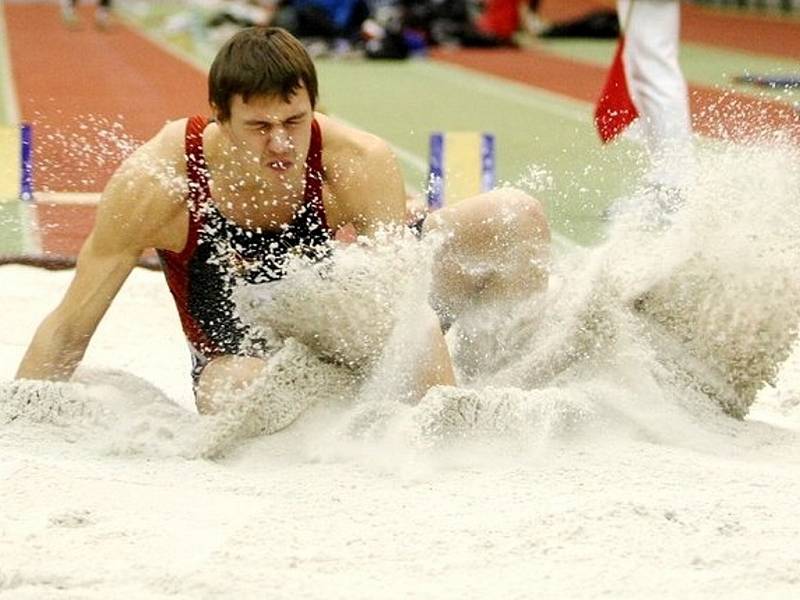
(219, 254)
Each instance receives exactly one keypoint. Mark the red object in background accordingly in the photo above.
(500, 18)
(615, 109)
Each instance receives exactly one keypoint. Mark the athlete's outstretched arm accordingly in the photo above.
(122, 231)
(61, 340)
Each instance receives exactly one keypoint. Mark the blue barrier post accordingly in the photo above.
(436, 174)
(488, 162)
(26, 182)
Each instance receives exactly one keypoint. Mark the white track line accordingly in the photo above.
(31, 236)
(67, 197)
(11, 107)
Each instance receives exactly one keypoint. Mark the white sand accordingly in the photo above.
(608, 476)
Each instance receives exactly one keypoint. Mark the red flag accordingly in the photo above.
(615, 109)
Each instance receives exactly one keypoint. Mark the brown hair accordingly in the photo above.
(260, 61)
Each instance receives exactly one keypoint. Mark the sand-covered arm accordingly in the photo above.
(130, 218)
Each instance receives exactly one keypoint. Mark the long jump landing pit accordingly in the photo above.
(611, 489)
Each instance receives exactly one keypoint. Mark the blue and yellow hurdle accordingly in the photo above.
(16, 162)
(462, 164)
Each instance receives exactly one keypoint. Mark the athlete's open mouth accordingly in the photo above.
(279, 165)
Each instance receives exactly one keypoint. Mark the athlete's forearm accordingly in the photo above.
(52, 354)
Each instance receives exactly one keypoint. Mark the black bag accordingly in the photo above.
(599, 24)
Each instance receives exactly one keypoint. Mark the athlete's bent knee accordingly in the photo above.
(223, 376)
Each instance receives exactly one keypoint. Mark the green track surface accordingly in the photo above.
(405, 102)
(12, 228)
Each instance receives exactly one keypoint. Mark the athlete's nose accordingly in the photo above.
(280, 142)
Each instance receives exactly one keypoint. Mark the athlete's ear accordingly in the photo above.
(222, 124)
(215, 112)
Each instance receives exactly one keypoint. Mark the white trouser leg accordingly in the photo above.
(657, 85)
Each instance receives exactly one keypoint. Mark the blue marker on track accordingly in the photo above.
(26, 183)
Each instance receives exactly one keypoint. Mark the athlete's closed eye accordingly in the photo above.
(259, 126)
(267, 126)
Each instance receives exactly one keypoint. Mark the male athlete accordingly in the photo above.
(229, 200)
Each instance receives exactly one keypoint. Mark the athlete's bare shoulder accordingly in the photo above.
(343, 143)
(147, 191)
(159, 165)
(362, 174)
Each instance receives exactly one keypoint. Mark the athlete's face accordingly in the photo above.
(271, 133)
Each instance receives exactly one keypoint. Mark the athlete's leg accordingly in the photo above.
(68, 11)
(223, 376)
(254, 396)
(246, 399)
(102, 14)
(658, 86)
(496, 248)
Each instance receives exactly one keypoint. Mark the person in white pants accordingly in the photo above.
(101, 14)
(658, 88)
